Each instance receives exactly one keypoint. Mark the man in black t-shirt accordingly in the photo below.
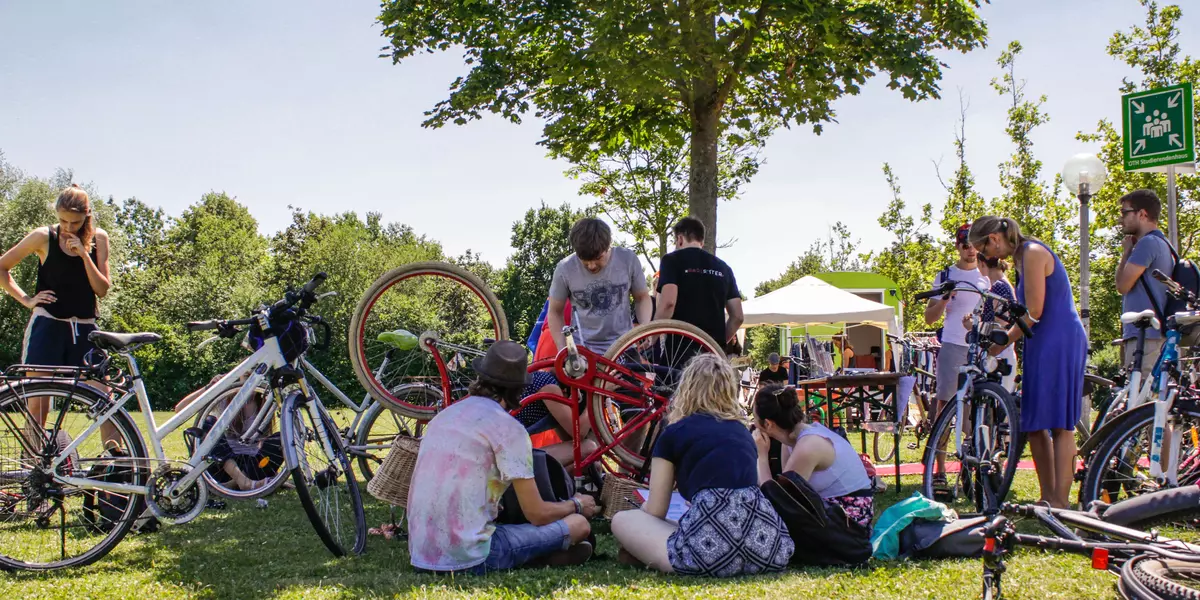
(697, 287)
(774, 373)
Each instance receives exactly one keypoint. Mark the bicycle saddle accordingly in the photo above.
(1141, 320)
(120, 341)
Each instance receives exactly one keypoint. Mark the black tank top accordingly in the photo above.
(66, 276)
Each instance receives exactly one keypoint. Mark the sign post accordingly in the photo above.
(1159, 136)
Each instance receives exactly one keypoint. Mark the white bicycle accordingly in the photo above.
(71, 490)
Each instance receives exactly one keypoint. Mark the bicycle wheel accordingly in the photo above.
(992, 405)
(375, 433)
(1148, 577)
(1176, 505)
(884, 445)
(321, 470)
(649, 359)
(259, 456)
(1119, 468)
(430, 300)
(45, 524)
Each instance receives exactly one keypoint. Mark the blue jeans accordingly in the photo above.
(515, 545)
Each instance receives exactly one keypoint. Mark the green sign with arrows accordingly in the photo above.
(1159, 130)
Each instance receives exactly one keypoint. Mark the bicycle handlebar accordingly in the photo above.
(1176, 290)
(1015, 309)
(946, 288)
(218, 324)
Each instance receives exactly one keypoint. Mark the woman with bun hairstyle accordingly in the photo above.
(72, 275)
(816, 453)
(1055, 358)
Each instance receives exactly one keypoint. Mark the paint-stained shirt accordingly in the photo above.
(471, 453)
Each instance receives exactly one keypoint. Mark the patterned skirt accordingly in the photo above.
(730, 532)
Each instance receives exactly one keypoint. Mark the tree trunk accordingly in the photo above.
(702, 180)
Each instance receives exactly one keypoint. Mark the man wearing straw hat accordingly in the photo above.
(471, 453)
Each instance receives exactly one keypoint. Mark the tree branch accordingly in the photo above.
(742, 53)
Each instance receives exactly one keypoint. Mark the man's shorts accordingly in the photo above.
(516, 545)
(950, 357)
(1150, 353)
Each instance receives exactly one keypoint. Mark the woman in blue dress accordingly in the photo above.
(1055, 358)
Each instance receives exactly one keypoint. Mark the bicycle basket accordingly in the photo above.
(293, 338)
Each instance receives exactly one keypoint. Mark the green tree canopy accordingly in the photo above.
(600, 73)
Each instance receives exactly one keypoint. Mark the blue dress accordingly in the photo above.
(1055, 358)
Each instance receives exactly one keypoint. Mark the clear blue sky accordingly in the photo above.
(286, 103)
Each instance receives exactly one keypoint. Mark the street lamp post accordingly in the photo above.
(1083, 175)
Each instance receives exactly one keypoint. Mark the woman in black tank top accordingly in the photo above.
(72, 275)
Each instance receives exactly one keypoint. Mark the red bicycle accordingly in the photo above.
(428, 320)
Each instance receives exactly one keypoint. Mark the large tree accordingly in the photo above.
(600, 73)
(643, 187)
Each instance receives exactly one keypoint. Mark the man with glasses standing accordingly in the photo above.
(953, 335)
(1144, 249)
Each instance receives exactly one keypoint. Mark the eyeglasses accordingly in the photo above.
(1125, 211)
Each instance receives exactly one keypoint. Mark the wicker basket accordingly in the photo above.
(616, 493)
(390, 482)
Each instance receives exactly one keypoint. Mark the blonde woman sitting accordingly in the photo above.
(708, 452)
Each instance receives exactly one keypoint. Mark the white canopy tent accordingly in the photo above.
(810, 301)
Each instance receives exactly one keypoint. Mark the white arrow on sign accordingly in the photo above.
(1173, 101)
(1137, 108)
(1139, 146)
(1173, 139)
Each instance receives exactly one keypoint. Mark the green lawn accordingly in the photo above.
(247, 552)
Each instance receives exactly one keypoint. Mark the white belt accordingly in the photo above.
(74, 321)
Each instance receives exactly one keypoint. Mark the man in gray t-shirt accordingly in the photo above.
(599, 281)
(1144, 250)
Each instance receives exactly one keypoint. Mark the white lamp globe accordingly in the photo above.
(1084, 169)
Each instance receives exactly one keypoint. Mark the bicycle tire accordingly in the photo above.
(1119, 430)
(291, 431)
(357, 347)
(1144, 576)
(363, 439)
(1148, 510)
(883, 457)
(1100, 429)
(597, 408)
(134, 447)
(218, 488)
(942, 426)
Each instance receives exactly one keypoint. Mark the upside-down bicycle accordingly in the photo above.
(444, 316)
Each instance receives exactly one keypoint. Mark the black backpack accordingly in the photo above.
(1184, 272)
(823, 534)
(553, 482)
(101, 509)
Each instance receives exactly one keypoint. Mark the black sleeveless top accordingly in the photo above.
(66, 276)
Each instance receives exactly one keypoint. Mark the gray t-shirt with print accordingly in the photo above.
(599, 302)
(1153, 253)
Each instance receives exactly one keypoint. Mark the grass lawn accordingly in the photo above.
(247, 552)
